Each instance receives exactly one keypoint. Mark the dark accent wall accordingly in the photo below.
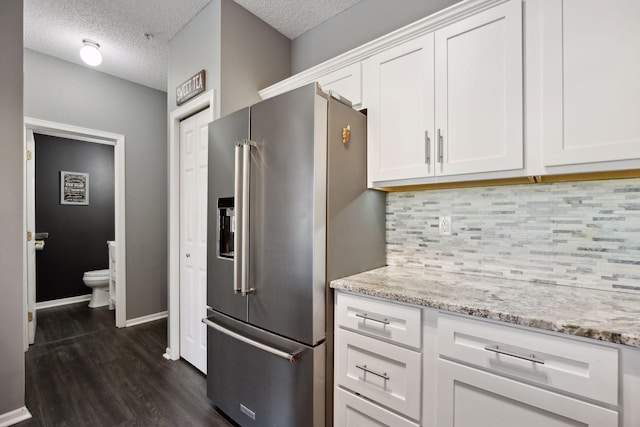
(77, 234)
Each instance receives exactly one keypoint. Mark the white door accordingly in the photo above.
(479, 109)
(193, 239)
(591, 86)
(468, 397)
(31, 227)
(399, 98)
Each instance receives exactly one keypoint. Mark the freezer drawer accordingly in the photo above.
(260, 379)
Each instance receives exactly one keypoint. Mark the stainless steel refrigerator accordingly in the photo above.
(289, 210)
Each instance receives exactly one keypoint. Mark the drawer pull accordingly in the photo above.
(530, 358)
(365, 316)
(364, 368)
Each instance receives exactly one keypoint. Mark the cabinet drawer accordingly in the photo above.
(383, 372)
(470, 397)
(568, 365)
(396, 323)
(351, 410)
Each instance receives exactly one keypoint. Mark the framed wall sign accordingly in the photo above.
(74, 188)
(193, 86)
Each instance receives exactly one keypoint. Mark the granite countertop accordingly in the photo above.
(597, 314)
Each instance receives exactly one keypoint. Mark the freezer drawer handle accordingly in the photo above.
(530, 358)
(371, 371)
(291, 357)
(365, 316)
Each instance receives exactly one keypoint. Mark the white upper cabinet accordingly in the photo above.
(346, 82)
(450, 102)
(591, 75)
(399, 94)
(479, 92)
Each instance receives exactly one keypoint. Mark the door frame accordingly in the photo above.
(202, 102)
(96, 136)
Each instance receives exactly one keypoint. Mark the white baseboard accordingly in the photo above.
(14, 417)
(62, 301)
(167, 354)
(145, 319)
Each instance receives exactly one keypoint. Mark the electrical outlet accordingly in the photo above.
(445, 225)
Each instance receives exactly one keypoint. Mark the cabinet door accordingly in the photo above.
(591, 86)
(479, 105)
(399, 97)
(472, 398)
(346, 82)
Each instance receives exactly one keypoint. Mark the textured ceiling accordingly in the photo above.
(57, 27)
(294, 17)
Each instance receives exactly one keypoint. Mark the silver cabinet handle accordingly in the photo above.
(427, 147)
(365, 316)
(440, 147)
(371, 371)
(238, 208)
(530, 358)
(291, 357)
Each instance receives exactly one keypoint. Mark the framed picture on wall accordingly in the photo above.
(74, 188)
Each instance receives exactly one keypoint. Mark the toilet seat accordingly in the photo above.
(96, 274)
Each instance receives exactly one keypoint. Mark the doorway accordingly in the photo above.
(83, 134)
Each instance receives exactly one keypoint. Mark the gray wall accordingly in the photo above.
(63, 92)
(196, 47)
(253, 56)
(240, 53)
(357, 25)
(11, 152)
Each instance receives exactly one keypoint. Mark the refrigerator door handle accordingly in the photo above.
(239, 209)
(244, 249)
(291, 357)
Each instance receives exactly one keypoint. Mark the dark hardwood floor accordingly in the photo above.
(83, 371)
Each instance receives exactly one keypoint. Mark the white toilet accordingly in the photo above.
(98, 281)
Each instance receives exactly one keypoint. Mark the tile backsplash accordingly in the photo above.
(584, 234)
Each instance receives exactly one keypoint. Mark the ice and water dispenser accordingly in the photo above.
(226, 227)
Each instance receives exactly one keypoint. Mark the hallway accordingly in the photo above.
(82, 371)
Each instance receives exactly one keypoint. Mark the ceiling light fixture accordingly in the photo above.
(90, 53)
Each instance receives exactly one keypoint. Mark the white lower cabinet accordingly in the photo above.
(403, 365)
(354, 411)
(469, 397)
(380, 371)
(378, 362)
(496, 375)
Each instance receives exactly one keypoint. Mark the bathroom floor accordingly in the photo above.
(73, 320)
(83, 371)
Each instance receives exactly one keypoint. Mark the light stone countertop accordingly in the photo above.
(597, 314)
